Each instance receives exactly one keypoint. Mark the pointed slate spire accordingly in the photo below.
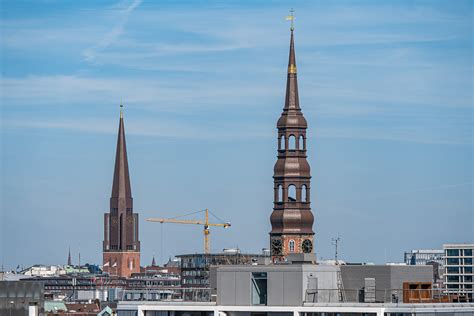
(69, 260)
(121, 186)
(153, 263)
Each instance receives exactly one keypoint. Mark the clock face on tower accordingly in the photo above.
(307, 246)
(277, 247)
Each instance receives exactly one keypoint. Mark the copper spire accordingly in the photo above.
(292, 116)
(121, 186)
(291, 99)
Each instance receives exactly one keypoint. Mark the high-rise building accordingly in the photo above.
(121, 247)
(458, 269)
(291, 219)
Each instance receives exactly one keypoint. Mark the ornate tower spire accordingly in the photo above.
(291, 219)
(121, 244)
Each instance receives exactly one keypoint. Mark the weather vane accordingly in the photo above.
(291, 18)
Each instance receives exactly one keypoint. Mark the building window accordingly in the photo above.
(452, 270)
(468, 278)
(467, 269)
(453, 286)
(468, 261)
(259, 288)
(452, 252)
(468, 252)
(452, 261)
(452, 278)
(291, 245)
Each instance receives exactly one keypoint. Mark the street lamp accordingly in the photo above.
(11, 304)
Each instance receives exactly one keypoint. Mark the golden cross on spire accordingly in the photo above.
(291, 18)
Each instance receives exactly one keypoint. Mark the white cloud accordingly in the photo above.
(114, 34)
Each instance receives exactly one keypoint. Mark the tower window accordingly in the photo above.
(291, 193)
(301, 143)
(291, 245)
(282, 144)
(304, 193)
(292, 142)
(280, 193)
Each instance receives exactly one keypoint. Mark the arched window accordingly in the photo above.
(304, 193)
(292, 142)
(280, 193)
(301, 143)
(120, 233)
(282, 142)
(291, 193)
(291, 245)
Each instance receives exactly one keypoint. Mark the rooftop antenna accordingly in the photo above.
(291, 18)
(335, 242)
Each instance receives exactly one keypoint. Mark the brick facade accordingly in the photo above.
(122, 264)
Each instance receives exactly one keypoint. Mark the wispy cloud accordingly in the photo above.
(141, 92)
(114, 34)
(156, 127)
(372, 63)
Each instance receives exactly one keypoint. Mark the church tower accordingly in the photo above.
(291, 219)
(121, 247)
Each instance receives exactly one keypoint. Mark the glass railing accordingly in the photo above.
(408, 296)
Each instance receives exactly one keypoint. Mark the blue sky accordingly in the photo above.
(387, 89)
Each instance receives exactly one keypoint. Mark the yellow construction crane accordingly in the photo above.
(204, 223)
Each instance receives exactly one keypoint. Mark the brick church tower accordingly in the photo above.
(121, 247)
(291, 219)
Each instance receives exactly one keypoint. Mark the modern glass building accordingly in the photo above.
(458, 269)
(424, 256)
(195, 267)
